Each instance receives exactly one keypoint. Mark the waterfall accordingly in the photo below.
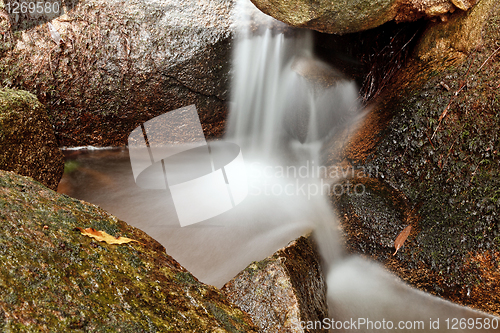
(285, 105)
(278, 99)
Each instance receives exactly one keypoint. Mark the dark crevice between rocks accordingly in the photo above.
(370, 57)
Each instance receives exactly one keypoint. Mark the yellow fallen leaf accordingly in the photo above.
(401, 238)
(102, 236)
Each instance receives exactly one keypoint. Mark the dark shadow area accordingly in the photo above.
(370, 57)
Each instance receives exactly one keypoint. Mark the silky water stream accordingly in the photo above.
(280, 117)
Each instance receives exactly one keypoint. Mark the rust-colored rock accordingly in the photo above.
(347, 16)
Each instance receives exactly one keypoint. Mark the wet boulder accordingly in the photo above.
(27, 142)
(106, 67)
(54, 278)
(282, 290)
(347, 16)
(430, 148)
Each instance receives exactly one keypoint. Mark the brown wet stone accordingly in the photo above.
(432, 136)
(282, 290)
(121, 64)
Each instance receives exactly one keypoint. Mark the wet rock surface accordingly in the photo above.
(122, 63)
(433, 141)
(347, 16)
(373, 216)
(282, 290)
(55, 279)
(27, 142)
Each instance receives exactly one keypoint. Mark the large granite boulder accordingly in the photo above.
(121, 63)
(54, 279)
(346, 16)
(27, 142)
(282, 290)
(430, 152)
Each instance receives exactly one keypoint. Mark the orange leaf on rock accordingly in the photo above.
(401, 238)
(102, 236)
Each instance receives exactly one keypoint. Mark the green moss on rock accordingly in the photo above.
(27, 142)
(53, 278)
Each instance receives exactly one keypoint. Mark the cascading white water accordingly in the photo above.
(271, 96)
(285, 104)
(261, 65)
(273, 101)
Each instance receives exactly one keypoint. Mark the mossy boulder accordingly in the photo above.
(122, 63)
(284, 289)
(54, 279)
(27, 142)
(433, 141)
(348, 16)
